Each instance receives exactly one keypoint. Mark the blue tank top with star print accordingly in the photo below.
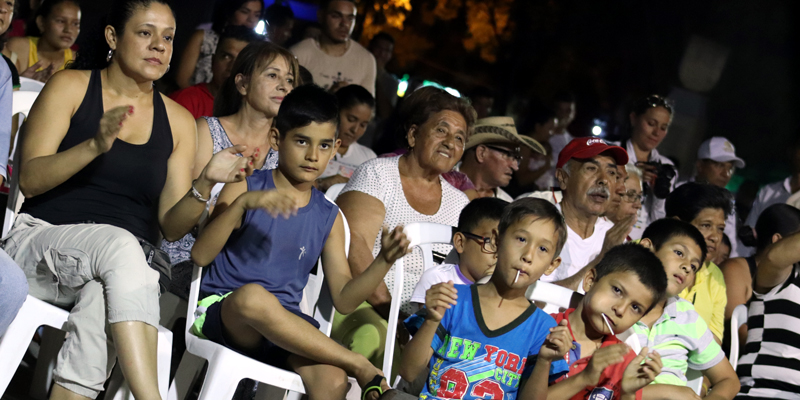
(276, 253)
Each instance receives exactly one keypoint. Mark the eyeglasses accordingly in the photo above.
(487, 246)
(631, 196)
(655, 100)
(508, 155)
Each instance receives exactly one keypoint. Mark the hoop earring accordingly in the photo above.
(110, 54)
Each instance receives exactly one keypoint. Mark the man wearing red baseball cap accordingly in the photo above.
(587, 174)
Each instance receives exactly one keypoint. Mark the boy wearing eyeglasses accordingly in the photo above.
(473, 242)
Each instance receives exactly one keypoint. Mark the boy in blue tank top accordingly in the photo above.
(264, 238)
(489, 341)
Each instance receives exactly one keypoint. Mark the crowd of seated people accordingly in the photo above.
(126, 190)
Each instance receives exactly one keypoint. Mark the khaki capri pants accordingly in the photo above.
(101, 272)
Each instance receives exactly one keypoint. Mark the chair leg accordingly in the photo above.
(187, 374)
(118, 388)
(42, 381)
(220, 383)
(164, 360)
(14, 343)
(267, 392)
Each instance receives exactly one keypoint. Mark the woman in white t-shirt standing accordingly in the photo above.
(356, 109)
(400, 190)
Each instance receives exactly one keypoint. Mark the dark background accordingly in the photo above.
(607, 53)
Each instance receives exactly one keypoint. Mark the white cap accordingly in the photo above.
(719, 149)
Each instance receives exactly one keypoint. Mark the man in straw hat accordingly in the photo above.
(492, 155)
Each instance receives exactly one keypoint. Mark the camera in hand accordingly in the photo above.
(664, 175)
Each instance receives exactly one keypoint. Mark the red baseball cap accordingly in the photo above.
(588, 147)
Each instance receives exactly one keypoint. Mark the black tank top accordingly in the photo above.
(120, 187)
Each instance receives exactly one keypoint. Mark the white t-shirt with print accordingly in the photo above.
(345, 164)
(579, 252)
(355, 66)
(438, 274)
(380, 178)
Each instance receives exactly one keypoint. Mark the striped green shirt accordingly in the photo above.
(682, 339)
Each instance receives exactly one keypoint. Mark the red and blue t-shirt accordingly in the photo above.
(609, 386)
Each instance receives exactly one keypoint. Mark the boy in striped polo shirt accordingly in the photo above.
(673, 327)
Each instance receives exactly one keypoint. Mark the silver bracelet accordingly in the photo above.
(196, 194)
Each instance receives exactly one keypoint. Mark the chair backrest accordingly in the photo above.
(334, 190)
(315, 294)
(694, 380)
(30, 85)
(738, 318)
(21, 103)
(423, 235)
(549, 293)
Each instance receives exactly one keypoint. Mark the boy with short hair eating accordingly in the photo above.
(623, 287)
(489, 340)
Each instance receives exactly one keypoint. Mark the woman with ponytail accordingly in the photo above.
(106, 170)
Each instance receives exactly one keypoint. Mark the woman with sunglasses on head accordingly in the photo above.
(649, 121)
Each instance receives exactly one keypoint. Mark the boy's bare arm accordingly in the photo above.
(555, 346)
(418, 351)
(348, 292)
(724, 382)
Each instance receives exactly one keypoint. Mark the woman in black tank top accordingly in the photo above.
(106, 164)
(775, 222)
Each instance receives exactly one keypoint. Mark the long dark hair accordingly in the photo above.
(94, 53)
(253, 57)
(777, 218)
(224, 9)
(44, 10)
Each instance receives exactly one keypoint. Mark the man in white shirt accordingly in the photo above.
(335, 60)
(587, 173)
(716, 162)
(777, 192)
(492, 155)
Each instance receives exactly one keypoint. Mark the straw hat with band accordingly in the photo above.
(497, 130)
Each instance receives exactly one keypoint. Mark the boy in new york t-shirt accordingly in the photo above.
(489, 341)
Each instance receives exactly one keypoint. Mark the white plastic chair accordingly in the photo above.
(21, 103)
(35, 313)
(423, 235)
(227, 367)
(334, 190)
(549, 293)
(30, 85)
(738, 318)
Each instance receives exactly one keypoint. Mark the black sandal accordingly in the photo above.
(373, 385)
